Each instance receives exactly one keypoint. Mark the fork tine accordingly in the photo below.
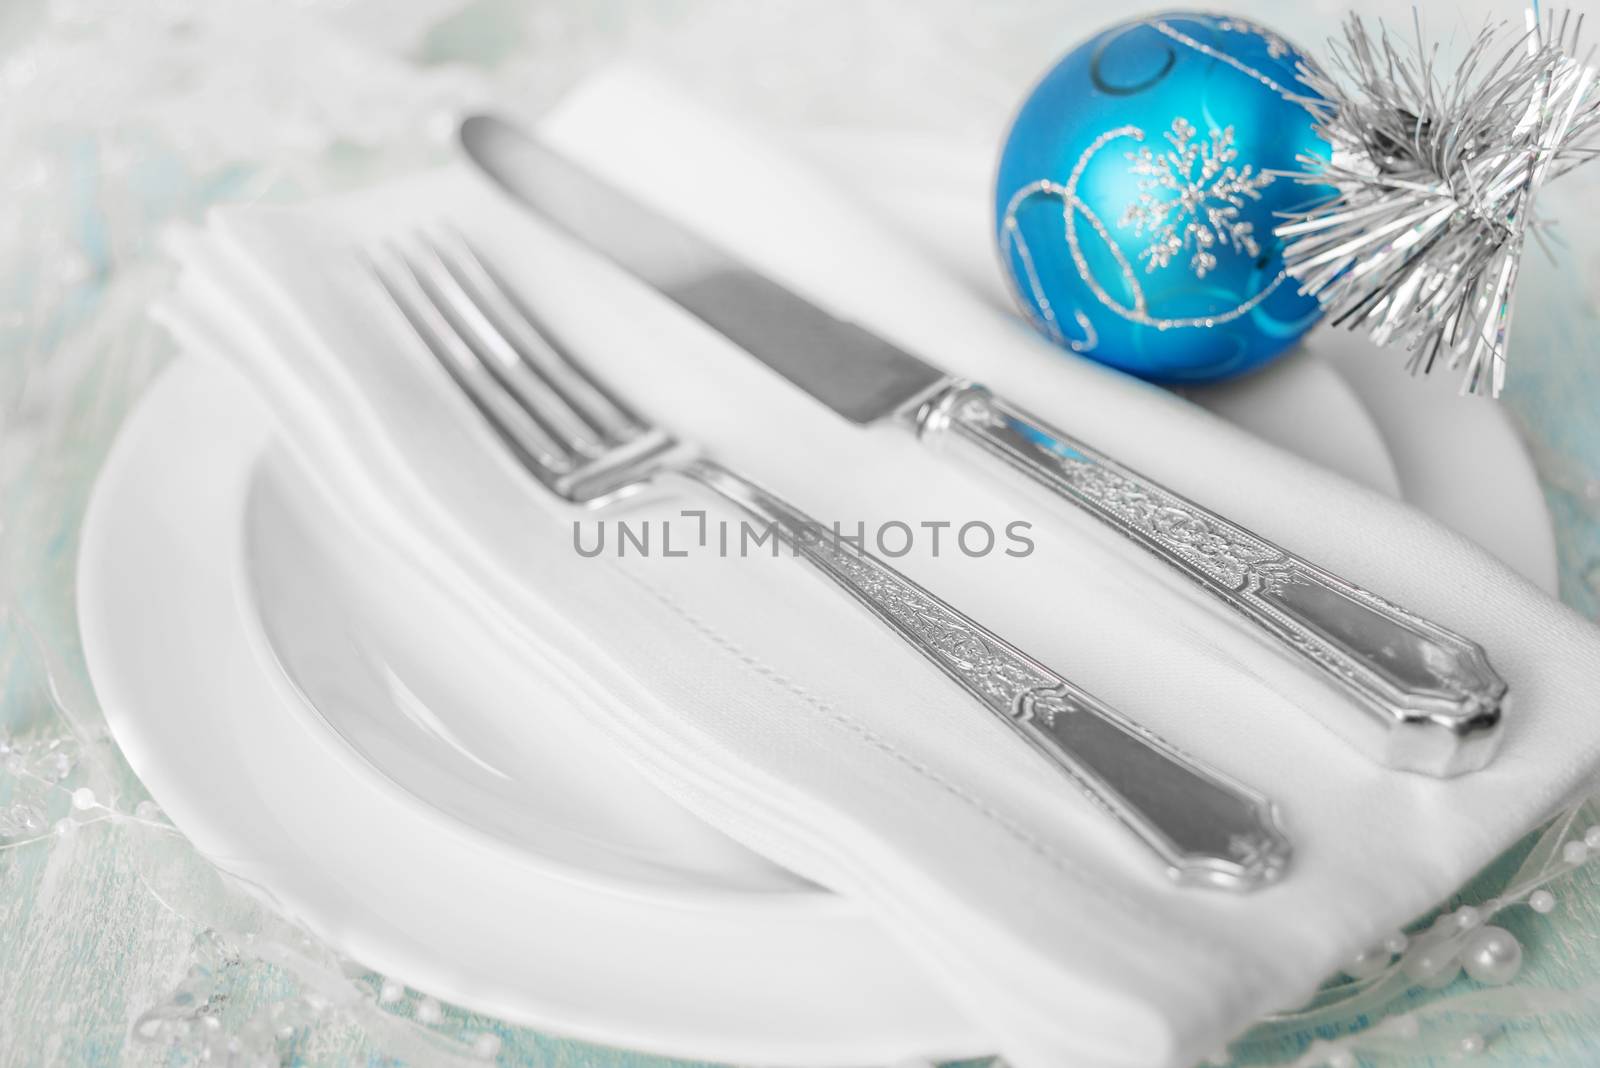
(527, 338)
(519, 377)
(540, 452)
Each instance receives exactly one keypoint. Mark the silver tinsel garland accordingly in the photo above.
(1433, 175)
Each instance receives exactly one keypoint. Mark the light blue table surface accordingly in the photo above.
(97, 927)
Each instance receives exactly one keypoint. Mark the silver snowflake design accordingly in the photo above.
(1190, 197)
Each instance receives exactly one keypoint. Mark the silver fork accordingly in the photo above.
(586, 445)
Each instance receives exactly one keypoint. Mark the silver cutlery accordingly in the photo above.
(585, 445)
(1427, 698)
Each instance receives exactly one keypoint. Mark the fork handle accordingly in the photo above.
(1429, 699)
(1208, 829)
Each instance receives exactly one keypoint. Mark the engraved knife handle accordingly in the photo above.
(1208, 829)
(1431, 701)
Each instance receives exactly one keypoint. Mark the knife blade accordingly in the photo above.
(1426, 699)
(856, 373)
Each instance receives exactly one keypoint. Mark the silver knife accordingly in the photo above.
(1425, 699)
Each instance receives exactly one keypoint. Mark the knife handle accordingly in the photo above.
(1208, 829)
(1430, 700)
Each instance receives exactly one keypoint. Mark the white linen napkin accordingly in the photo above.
(783, 713)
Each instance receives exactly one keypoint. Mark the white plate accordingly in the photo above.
(583, 902)
(257, 668)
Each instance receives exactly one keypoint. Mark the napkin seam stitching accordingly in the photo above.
(988, 812)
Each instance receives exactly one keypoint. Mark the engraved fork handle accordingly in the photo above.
(1208, 829)
(1432, 702)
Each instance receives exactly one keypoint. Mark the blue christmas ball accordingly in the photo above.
(1138, 191)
